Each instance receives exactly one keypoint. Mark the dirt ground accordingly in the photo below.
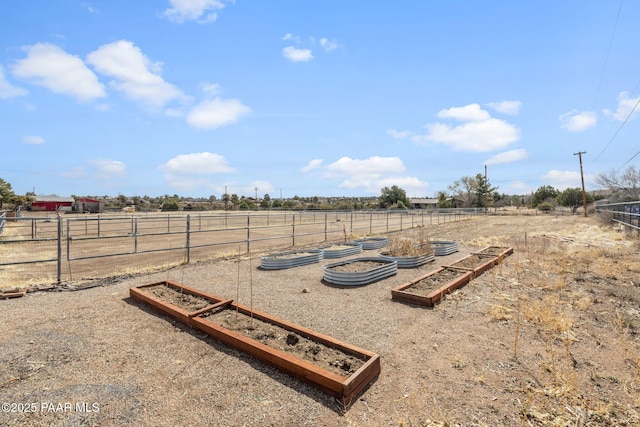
(548, 337)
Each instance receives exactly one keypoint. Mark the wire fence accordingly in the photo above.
(626, 213)
(43, 250)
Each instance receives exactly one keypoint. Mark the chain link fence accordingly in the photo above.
(38, 250)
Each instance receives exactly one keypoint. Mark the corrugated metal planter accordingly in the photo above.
(411, 261)
(360, 271)
(345, 386)
(290, 259)
(429, 289)
(444, 247)
(340, 250)
(373, 242)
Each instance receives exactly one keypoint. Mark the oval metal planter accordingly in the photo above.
(373, 243)
(411, 261)
(444, 247)
(354, 248)
(290, 259)
(388, 267)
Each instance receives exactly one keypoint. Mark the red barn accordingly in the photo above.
(52, 203)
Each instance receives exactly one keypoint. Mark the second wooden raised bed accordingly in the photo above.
(429, 289)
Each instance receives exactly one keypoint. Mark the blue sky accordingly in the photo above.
(315, 98)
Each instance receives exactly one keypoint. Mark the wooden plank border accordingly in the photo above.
(341, 387)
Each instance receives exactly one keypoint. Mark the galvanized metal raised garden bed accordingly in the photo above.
(411, 261)
(344, 386)
(444, 247)
(290, 259)
(370, 243)
(340, 250)
(429, 289)
(360, 271)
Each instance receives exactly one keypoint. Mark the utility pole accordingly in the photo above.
(226, 198)
(256, 188)
(485, 189)
(584, 194)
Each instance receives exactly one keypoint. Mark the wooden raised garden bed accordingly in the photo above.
(476, 263)
(333, 366)
(430, 288)
(498, 251)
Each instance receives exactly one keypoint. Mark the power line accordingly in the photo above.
(633, 157)
(619, 129)
(606, 59)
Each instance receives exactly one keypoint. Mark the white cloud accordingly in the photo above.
(210, 89)
(202, 11)
(372, 174)
(291, 37)
(187, 172)
(297, 55)
(49, 66)
(506, 107)
(575, 121)
(107, 169)
(399, 134)
(468, 113)
(313, 164)
(7, 90)
(626, 106)
(479, 136)
(327, 44)
(33, 139)
(133, 73)
(217, 113)
(565, 179)
(197, 164)
(508, 157)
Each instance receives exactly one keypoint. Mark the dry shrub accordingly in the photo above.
(405, 247)
(548, 314)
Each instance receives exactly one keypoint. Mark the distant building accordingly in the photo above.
(85, 204)
(52, 203)
(432, 203)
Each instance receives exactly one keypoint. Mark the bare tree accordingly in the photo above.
(626, 185)
(464, 189)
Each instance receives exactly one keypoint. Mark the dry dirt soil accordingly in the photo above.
(548, 337)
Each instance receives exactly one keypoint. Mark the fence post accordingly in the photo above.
(387, 221)
(248, 234)
(188, 238)
(293, 231)
(60, 248)
(370, 223)
(325, 227)
(135, 235)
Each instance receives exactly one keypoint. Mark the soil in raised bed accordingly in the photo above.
(494, 250)
(338, 247)
(179, 299)
(433, 282)
(329, 358)
(357, 266)
(472, 261)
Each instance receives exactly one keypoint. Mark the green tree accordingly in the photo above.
(572, 198)
(6, 193)
(483, 190)
(171, 204)
(391, 196)
(265, 203)
(545, 194)
(442, 200)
